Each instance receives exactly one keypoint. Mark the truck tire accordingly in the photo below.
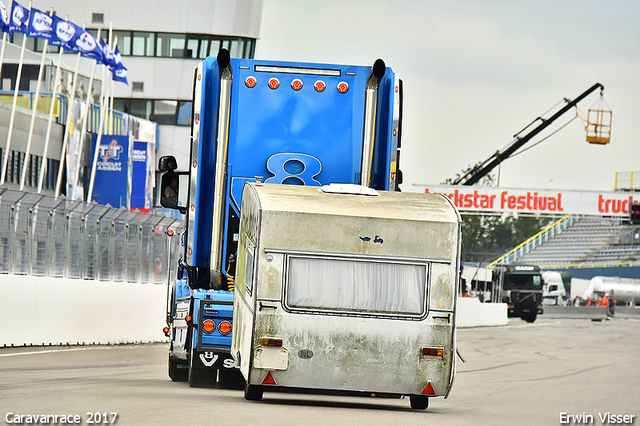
(530, 316)
(419, 402)
(178, 371)
(252, 392)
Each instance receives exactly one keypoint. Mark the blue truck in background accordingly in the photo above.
(276, 122)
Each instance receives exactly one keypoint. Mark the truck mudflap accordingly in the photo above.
(210, 361)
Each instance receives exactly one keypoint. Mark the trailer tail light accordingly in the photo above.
(269, 341)
(428, 390)
(208, 326)
(250, 82)
(224, 327)
(273, 83)
(296, 84)
(429, 351)
(269, 380)
(320, 86)
(343, 87)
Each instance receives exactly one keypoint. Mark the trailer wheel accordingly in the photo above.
(419, 402)
(252, 392)
(178, 371)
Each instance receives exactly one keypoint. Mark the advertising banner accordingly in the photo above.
(546, 201)
(112, 170)
(142, 175)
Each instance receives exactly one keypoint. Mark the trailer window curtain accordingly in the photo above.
(356, 285)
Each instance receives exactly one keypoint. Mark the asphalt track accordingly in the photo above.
(519, 374)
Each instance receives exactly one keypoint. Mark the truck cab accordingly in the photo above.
(520, 287)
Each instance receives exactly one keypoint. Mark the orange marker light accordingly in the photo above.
(208, 326)
(224, 327)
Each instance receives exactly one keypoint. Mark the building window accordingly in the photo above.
(137, 86)
(97, 18)
(170, 45)
(142, 44)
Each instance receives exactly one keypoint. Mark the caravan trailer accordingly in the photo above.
(346, 289)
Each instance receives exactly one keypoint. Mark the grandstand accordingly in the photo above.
(603, 245)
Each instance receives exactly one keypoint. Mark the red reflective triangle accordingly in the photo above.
(269, 379)
(428, 390)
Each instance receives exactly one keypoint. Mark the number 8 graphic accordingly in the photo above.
(311, 167)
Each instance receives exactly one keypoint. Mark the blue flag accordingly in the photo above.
(41, 25)
(19, 18)
(67, 34)
(4, 19)
(107, 53)
(88, 46)
(119, 72)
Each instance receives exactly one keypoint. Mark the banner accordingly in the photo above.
(112, 170)
(19, 18)
(495, 199)
(142, 175)
(5, 22)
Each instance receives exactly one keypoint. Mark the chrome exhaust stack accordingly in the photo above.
(369, 136)
(220, 178)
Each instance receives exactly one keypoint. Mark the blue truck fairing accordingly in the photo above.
(289, 136)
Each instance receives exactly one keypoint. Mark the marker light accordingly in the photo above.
(170, 232)
(224, 327)
(250, 82)
(320, 86)
(268, 341)
(296, 84)
(433, 351)
(187, 318)
(166, 331)
(273, 83)
(343, 87)
(208, 326)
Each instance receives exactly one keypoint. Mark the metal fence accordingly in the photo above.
(55, 237)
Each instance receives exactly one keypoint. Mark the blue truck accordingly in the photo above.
(263, 121)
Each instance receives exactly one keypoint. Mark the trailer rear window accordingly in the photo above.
(359, 286)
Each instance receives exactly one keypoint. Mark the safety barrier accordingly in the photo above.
(56, 237)
(73, 263)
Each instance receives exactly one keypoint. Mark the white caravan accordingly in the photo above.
(346, 289)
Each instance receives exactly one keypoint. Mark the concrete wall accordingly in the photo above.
(472, 313)
(56, 311)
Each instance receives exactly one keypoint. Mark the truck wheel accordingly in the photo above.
(252, 392)
(419, 402)
(178, 371)
(530, 316)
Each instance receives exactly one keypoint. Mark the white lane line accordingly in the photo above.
(49, 351)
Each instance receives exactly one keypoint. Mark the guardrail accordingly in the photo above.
(60, 238)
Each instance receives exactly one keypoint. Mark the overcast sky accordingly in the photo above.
(477, 72)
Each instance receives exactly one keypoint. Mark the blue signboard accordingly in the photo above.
(142, 175)
(112, 170)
